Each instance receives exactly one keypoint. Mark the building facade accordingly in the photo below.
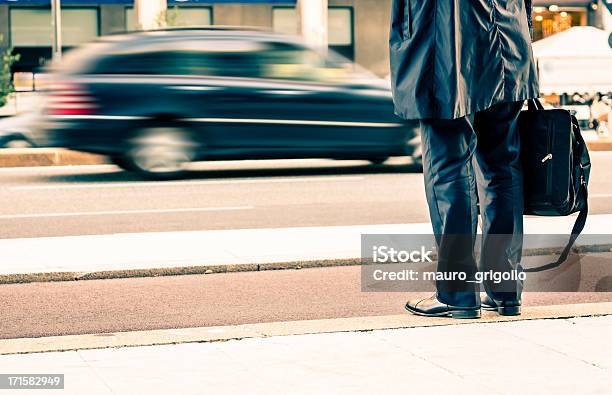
(358, 29)
(552, 17)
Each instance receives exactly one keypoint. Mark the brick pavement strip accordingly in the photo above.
(30, 157)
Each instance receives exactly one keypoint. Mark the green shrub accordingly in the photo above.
(168, 18)
(6, 83)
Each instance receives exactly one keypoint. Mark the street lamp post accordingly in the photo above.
(313, 22)
(150, 14)
(56, 24)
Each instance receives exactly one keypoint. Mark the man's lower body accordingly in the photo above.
(469, 160)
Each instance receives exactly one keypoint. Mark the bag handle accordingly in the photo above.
(534, 105)
(576, 230)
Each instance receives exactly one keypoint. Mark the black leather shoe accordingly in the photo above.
(432, 307)
(505, 307)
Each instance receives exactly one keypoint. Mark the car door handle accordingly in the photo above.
(194, 88)
(286, 92)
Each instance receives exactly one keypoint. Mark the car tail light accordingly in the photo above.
(70, 99)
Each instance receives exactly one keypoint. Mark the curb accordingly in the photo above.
(21, 278)
(158, 337)
(31, 157)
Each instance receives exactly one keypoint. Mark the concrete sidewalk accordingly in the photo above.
(170, 253)
(559, 356)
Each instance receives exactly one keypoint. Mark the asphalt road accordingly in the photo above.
(36, 202)
(99, 306)
(39, 202)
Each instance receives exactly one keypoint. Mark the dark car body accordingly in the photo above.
(230, 94)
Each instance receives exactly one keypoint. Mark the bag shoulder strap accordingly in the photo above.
(576, 230)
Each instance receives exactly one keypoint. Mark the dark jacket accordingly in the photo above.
(453, 58)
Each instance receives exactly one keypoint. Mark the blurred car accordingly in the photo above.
(14, 131)
(156, 101)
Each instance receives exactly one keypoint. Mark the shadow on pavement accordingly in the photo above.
(122, 176)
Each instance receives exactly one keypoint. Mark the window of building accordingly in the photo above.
(30, 33)
(31, 27)
(177, 16)
(551, 20)
(340, 25)
(284, 20)
(340, 20)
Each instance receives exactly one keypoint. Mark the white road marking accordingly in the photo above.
(125, 212)
(137, 184)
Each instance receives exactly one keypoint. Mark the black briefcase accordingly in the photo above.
(556, 167)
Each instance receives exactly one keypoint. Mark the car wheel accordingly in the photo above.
(19, 143)
(159, 153)
(123, 162)
(378, 160)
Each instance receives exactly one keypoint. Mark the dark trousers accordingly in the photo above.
(466, 161)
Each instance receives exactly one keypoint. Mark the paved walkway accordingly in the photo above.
(545, 357)
(121, 252)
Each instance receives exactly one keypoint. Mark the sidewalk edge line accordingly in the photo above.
(161, 337)
(20, 278)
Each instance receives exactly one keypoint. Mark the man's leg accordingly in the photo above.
(448, 147)
(500, 189)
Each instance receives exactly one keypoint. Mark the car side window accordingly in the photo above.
(288, 61)
(231, 58)
(227, 58)
(281, 61)
(221, 64)
(146, 63)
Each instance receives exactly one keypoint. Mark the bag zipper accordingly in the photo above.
(547, 160)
